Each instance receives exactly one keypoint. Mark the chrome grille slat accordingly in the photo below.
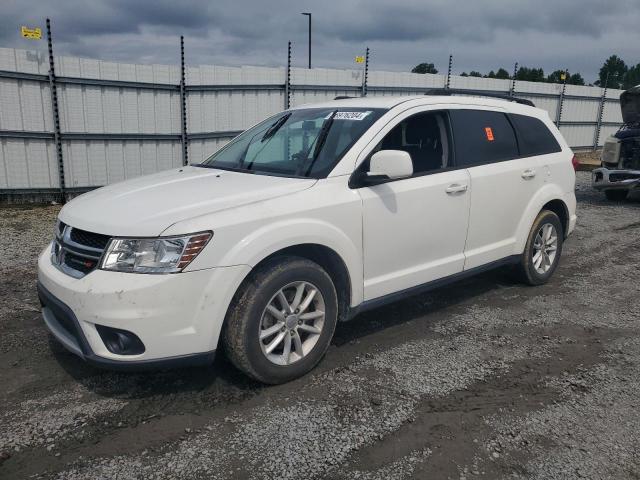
(79, 253)
(72, 256)
(66, 239)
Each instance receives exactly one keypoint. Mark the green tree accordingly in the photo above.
(473, 73)
(530, 74)
(556, 77)
(464, 74)
(424, 68)
(612, 72)
(632, 77)
(575, 79)
(502, 74)
(491, 74)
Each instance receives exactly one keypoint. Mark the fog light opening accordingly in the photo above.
(120, 342)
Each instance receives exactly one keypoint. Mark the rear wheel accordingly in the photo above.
(616, 195)
(282, 320)
(542, 251)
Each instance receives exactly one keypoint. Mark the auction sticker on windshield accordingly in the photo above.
(351, 115)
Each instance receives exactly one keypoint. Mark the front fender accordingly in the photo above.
(276, 236)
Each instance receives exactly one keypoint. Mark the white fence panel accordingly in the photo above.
(122, 120)
(578, 136)
(27, 163)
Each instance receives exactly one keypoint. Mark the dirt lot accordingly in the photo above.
(483, 379)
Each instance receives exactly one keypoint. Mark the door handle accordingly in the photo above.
(456, 188)
(528, 173)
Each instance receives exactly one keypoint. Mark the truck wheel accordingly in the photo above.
(616, 195)
(542, 250)
(281, 321)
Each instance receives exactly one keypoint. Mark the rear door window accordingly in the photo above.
(482, 137)
(534, 137)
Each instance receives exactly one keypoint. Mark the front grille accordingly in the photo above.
(80, 264)
(618, 177)
(78, 252)
(89, 239)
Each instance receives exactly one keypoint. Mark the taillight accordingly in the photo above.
(575, 163)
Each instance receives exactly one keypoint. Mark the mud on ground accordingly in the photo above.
(486, 378)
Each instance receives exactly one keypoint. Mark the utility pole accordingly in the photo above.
(307, 14)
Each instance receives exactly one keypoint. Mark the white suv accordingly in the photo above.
(305, 219)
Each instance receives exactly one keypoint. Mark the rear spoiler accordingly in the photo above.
(478, 93)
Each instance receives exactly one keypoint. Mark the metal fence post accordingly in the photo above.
(561, 99)
(448, 82)
(596, 134)
(512, 90)
(57, 138)
(287, 80)
(366, 73)
(183, 106)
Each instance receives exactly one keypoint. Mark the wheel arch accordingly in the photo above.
(560, 208)
(550, 197)
(327, 258)
(330, 261)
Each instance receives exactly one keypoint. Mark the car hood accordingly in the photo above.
(630, 105)
(146, 206)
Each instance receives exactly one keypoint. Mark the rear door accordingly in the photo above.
(502, 183)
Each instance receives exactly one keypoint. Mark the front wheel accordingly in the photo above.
(542, 250)
(282, 320)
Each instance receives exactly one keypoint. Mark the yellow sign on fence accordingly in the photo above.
(32, 33)
(360, 59)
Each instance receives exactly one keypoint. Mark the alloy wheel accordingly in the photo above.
(545, 247)
(291, 323)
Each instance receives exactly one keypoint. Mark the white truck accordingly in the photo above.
(620, 171)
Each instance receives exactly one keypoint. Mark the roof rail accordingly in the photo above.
(479, 93)
(344, 97)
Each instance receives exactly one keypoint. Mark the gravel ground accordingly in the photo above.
(486, 378)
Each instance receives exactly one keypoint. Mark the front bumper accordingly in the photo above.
(63, 324)
(178, 317)
(606, 179)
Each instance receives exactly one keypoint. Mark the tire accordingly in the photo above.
(249, 318)
(536, 271)
(616, 195)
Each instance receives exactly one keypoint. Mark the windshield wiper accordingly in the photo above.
(320, 140)
(271, 131)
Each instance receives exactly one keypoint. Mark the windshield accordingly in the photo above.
(299, 143)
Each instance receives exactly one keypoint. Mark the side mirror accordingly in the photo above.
(384, 165)
(392, 164)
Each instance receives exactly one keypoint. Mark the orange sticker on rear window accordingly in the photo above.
(489, 133)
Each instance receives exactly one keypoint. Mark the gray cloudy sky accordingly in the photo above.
(482, 35)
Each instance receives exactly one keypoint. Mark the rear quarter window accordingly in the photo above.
(482, 137)
(534, 136)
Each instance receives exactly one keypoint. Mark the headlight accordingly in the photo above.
(153, 255)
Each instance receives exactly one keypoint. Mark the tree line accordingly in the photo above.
(614, 73)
